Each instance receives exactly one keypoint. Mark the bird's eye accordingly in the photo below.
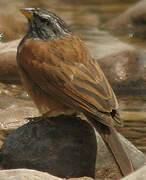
(45, 21)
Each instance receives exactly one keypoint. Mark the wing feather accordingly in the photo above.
(82, 86)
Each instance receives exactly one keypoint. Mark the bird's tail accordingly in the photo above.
(113, 142)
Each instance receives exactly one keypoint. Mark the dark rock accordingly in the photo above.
(132, 22)
(62, 146)
(126, 71)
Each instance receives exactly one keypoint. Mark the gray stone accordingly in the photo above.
(140, 174)
(25, 174)
(138, 158)
(105, 163)
(120, 70)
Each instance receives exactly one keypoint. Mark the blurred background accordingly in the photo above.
(114, 31)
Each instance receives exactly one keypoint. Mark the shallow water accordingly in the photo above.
(84, 17)
(133, 114)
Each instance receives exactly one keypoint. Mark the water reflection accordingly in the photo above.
(133, 113)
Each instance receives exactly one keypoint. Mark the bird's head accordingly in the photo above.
(44, 24)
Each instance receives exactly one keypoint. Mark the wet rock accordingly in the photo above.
(126, 71)
(106, 45)
(105, 163)
(132, 22)
(23, 174)
(63, 146)
(137, 175)
(8, 65)
(13, 114)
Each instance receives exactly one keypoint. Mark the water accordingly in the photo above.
(133, 114)
(84, 18)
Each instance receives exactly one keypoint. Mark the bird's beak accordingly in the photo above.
(28, 13)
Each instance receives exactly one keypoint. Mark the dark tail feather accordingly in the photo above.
(112, 140)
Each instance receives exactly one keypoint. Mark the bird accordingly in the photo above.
(62, 78)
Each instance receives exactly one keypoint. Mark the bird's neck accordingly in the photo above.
(43, 33)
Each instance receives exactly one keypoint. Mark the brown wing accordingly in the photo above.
(77, 84)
